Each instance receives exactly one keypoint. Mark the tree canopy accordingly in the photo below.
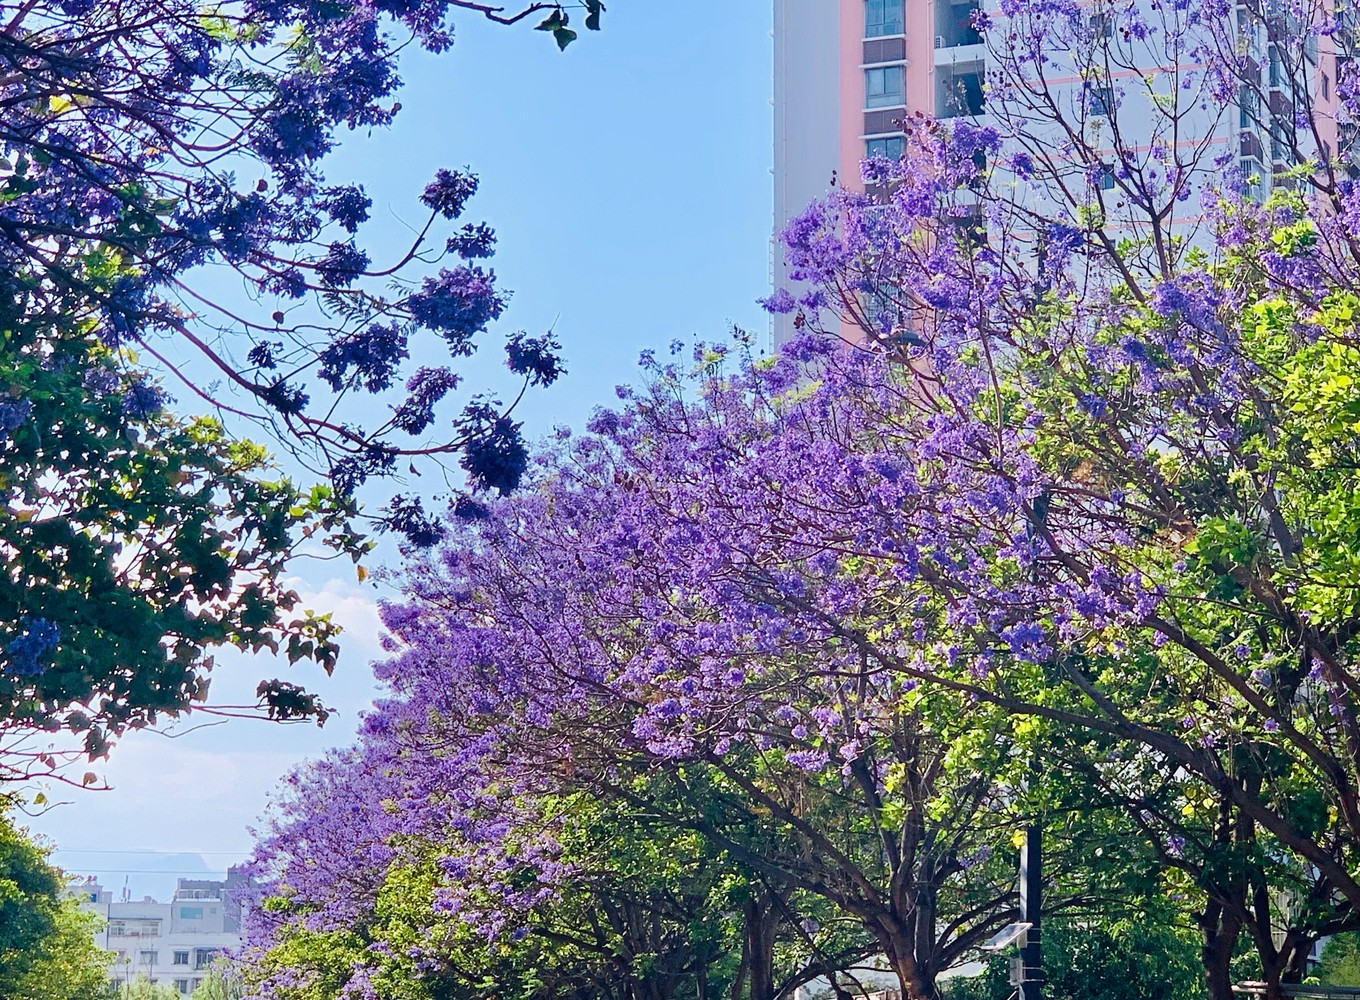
(148, 149)
(47, 949)
(1064, 534)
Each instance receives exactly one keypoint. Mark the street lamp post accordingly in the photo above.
(1030, 978)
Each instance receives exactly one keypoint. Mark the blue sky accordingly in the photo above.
(629, 183)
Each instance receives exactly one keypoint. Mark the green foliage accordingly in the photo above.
(144, 989)
(1141, 956)
(142, 540)
(556, 22)
(47, 947)
(219, 984)
(647, 911)
(1340, 964)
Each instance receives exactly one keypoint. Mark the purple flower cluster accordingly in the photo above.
(370, 358)
(425, 389)
(133, 170)
(30, 652)
(458, 304)
(449, 192)
(14, 415)
(536, 358)
(497, 457)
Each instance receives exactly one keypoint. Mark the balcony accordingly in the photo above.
(958, 90)
(954, 24)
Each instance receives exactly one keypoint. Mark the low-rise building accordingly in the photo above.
(175, 943)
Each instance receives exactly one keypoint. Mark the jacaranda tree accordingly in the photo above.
(1077, 501)
(597, 636)
(147, 151)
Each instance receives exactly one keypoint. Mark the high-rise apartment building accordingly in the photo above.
(847, 72)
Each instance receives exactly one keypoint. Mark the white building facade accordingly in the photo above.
(171, 943)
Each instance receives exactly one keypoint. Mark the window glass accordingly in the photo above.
(1102, 100)
(1251, 179)
(1249, 108)
(882, 17)
(883, 87)
(889, 148)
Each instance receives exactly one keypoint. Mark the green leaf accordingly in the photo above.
(557, 19)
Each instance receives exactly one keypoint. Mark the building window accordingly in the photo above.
(1251, 179)
(1326, 88)
(1102, 100)
(1249, 107)
(1279, 148)
(1102, 25)
(191, 913)
(954, 23)
(149, 958)
(203, 957)
(882, 17)
(181, 958)
(181, 986)
(1107, 176)
(883, 87)
(890, 148)
(1274, 67)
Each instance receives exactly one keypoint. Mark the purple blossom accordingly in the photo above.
(347, 206)
(536, 358)
(781, 301)
(29, 652)
(143, 400)
(13, 415)
(342, 265)
(459, 304)
(425, 389)
(449, 192)
(496, 458)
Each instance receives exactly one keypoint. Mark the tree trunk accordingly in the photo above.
(916, 982)
(1285, 965)
(1220, 931)
(761, 927)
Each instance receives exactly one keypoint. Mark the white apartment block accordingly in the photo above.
(173, 943)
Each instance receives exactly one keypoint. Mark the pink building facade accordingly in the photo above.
(848, 71)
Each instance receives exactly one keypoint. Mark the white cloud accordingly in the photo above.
(166, 796)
